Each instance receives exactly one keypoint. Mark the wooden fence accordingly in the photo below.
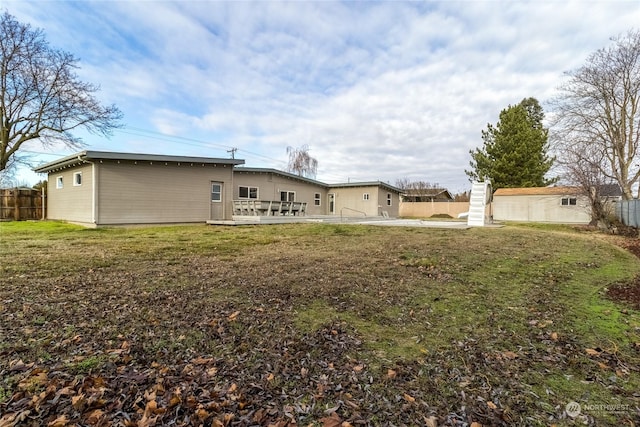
(21, 204)
(428, 209)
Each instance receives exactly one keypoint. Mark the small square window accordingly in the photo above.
(365, 196)
(316, 199)
(77, 179)
(59, 182)
(216, 192)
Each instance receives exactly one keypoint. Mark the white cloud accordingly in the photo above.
(377, 90)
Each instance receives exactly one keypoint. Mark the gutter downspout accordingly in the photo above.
(93, 188)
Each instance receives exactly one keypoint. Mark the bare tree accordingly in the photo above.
(598, 111)
(418, 191)
(41, 97)
(583, 167)
(301, 163)
(8, 175)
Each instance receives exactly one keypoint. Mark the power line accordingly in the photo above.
(192, 142)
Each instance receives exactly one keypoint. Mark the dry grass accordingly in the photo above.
(259, 325)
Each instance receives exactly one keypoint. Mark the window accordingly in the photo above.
(287, 196)
(389, 199)
(248, 192)
(216, 192)
(59, 182)
(77, 179)
(569, 201)
(316, 199)
(365, 196)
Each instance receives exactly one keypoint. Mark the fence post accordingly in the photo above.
(44, 204)
(16, 204)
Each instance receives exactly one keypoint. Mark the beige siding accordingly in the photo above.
(540, 208)
(350, 201)
(270, 185)
(146, 192)
(71, 202)
(389, 202)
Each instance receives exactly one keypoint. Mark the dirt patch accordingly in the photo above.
(628, 293)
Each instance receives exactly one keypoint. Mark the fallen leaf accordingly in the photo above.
(78, 402)
(491, 405)
(554, 336)
(592, 352)
(202, 360)
(61, 421)
(202, 414)
(234, 315)
(391, 374)
(475, 424)
(33, 381)
(409, 398)
(94, 416)
(510, 355)
(431, 421)
(270, 377)
(332, 421)
(358, 368)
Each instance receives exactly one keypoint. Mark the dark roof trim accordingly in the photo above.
(367, 184)
(318, 183)
(281, 173)
(83, 156)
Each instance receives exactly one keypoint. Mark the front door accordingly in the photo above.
(332, 203)
(217, 200)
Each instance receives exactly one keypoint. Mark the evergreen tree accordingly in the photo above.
(514, 153)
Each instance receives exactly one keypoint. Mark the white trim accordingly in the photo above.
(59, 182)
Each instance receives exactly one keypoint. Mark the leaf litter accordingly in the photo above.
(150, 345)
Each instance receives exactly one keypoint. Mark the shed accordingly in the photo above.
(559, 204)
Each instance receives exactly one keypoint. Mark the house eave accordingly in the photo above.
(91, 156)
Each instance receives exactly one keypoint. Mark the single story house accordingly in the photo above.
(351, 199)
(565, 205)
(107, 188)
(426, 195)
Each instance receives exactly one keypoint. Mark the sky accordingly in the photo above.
(378, 91)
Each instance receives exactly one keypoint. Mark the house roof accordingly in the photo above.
(87, 155)
(428, 192)
(610, 190)
(537, 191)
(366, 184)
(279, 172)
(319, 183)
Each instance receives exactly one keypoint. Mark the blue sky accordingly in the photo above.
(378, 90)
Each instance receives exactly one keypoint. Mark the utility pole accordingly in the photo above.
(233, 152)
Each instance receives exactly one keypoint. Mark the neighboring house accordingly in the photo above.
(426, 195)
(102, 188)
(564, 205)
